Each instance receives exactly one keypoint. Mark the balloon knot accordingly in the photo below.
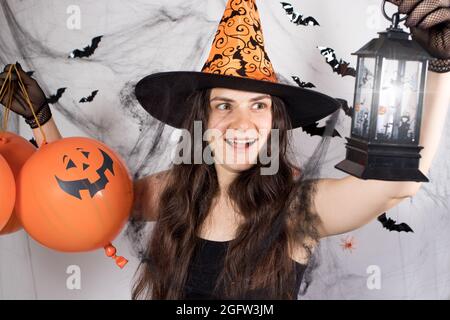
(110, 251)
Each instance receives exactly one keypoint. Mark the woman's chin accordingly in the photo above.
(237, 167)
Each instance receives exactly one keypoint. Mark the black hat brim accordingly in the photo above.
(164, 94)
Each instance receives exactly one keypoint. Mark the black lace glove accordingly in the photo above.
(35, 94)
(429, 21)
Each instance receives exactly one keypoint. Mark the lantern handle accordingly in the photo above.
(395, 19)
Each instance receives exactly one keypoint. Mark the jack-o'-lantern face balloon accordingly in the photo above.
(74, 194)
(85, 170)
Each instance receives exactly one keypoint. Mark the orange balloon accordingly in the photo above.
(16, 150)
(74, 194)
(7, 192)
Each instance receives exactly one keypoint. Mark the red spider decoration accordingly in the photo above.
(348, 243)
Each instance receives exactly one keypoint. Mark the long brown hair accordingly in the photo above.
(276, 214)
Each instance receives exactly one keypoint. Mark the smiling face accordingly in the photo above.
(241, 122)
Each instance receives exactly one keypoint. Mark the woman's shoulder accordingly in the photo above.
(155, 181)
(147, 191)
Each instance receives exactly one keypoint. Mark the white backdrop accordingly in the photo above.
(141, 37)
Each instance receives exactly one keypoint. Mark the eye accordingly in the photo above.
(223, 106)
(259, 106)
(70, 164)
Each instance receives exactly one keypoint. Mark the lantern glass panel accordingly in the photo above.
(363, 97)
(398, 101)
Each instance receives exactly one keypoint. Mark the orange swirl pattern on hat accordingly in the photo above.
(238, 46)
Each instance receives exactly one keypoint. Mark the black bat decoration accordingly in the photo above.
(392, 225)
(88, 50)
(303, 84)
(297, 18)
(55, 97)
(74, 187)
(314, 130)
(339, 66)
(344, 105)
(90, 97)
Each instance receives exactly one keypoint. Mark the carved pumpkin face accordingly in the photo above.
(74, 194)
(85, 170)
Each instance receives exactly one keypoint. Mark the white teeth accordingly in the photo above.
(233, 142)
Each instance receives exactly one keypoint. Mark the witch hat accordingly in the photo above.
(237, 60)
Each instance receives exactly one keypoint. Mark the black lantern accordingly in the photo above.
(387, 108)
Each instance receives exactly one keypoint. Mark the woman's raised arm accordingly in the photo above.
(50, 130)
(349, 203)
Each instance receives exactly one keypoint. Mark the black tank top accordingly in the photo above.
(206, 265)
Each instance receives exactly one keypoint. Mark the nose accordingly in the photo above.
(241, 119)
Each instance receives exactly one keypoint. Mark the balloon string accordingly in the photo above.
(8, 103)
(28, 101)
(6, 90)
(8, 95)
(2, 89)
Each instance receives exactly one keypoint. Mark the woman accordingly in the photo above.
(225, 230)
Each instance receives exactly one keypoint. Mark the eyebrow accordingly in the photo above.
(231, 100)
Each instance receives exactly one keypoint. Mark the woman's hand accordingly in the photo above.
(35, 94)
(429, 22)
